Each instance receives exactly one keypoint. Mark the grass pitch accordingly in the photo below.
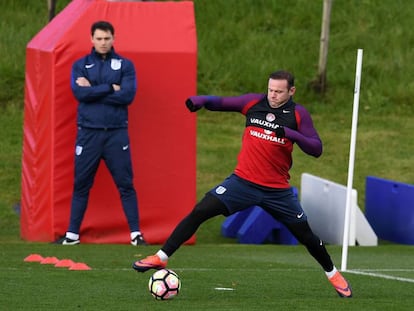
(214, 277)
(238, 43)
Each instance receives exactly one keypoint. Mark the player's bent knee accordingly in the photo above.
(209, 207)
(303, 233)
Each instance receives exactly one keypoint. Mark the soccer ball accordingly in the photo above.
(164, 284)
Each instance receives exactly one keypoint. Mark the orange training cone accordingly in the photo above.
(33, 258)
(80, 266)
(49, 261)
(64, 263)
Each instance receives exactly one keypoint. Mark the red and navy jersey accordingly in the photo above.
(264, 158)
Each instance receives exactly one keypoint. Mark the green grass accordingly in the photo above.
(239, 43)
(264, 277)
(10, 168)
(19, 22)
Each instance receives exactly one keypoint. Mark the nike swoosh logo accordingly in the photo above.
(299, 215)
(285, 111)
(125, 147)
(346, 292)
(88, 66)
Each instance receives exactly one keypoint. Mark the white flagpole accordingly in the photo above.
(345, 241)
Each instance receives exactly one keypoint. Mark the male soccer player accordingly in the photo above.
(274, 123)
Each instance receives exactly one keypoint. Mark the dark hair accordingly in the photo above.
(283, 75)
(102, 25)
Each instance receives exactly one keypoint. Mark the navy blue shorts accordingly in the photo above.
(238, 194)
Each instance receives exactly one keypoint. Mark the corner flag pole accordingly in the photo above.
(345, 241)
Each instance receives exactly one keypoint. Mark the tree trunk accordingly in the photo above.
(320, 83)
(51, 6)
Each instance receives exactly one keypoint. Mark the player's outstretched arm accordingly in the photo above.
(218, 103)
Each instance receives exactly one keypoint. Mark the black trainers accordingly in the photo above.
(66, 241)
(138, 240)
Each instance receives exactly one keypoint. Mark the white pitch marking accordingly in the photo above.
(224, 288)
(383, 276)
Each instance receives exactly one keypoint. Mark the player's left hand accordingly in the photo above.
(82, 81)
(190, 105)
(280, 131)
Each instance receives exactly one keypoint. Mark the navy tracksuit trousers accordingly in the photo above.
(112, 146)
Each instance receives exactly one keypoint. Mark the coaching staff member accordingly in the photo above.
(104, 83)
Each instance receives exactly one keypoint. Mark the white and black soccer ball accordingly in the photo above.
(164, 284)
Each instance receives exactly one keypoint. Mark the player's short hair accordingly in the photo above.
(102, 25)
(283, 75)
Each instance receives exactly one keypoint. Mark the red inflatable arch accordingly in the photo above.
(160, 38)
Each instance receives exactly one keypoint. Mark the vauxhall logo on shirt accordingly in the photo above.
(268, 127)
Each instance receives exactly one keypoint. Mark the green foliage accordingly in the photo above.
(20, 20)
(10, 169)
(239, 43)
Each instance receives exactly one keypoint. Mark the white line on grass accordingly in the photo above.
(224, 288)
(383, 276)
(385, 270)
(217, 269)
(378, 275)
